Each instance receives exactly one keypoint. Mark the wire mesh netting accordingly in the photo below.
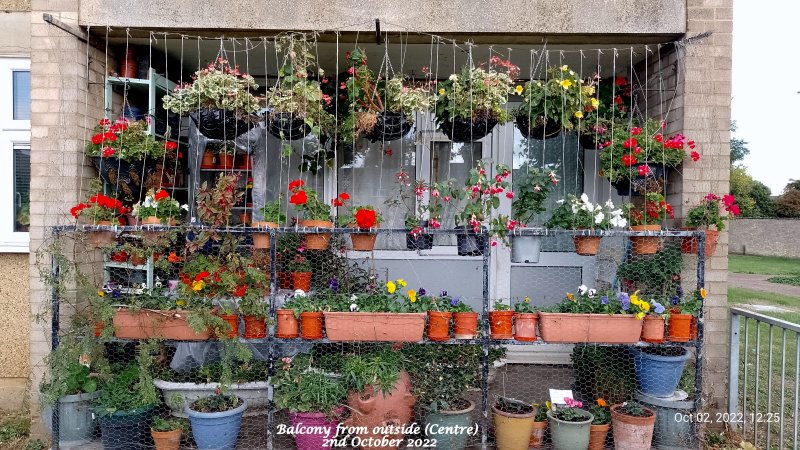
(212, 338)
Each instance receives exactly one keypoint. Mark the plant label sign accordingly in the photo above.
(557, 396)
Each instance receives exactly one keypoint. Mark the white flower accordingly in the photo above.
(609, 204)
(582, 289)
(353, 307)
(598, 219)
(575, 208)
(299, 293)
(592, 293)
(453, 77)
(148, 202)
(185, 207)
(584, 198)
(353, 298)
(559, 202)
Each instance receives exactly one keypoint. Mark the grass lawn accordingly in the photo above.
(764, 265)
(738, 296)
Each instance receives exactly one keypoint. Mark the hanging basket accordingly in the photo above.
(220, 124)
(287, 126)
(588, 141)
(390, 126)
(549, 129)
(123, 176)
(464, 130)
(630, 188)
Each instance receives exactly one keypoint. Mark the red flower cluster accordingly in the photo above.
(366, 218)
(339, 201)
(299, 196)
(101, 201)
(169, 145)
(240, 291)
(160, 195)
(628, 160)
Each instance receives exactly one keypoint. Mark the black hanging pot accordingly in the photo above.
(220, 124)
(390, 126)
(420, 241)
(630, 188)
(588, 142)
(465, 130)
(287, 126)
(549, 129)
(469, 242)
(123, 176)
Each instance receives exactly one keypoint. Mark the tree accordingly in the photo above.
(788, 204)
(738, 146)
(762, 196)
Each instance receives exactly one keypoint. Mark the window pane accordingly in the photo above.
(22, 188)
(451, 160)
(22, 94)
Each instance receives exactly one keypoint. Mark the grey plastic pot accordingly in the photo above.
(570, 435)
(75, 421)
(525, 249)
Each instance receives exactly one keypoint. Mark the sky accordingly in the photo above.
(766, 81)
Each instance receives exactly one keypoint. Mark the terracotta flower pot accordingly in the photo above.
(99, 239)
(372, 411)
(537, 435)
(501, 324)
(119, 256)
(689, 245)
(226, 162)
(564, 327)
(167, 440)
(233, 323)
(287, 325)
(302, 280)
(316, 241)
(146, 324)
(284, 280)
(465, 325)
(261, 240)
(587, 245)
(363, 242)
(597, 436)
(525, 326)
(151, 220)
(645, 245)
(245, 218)
(208, 160)
(311, 325)
(439, 325)
(138, 260)
(367, 326)
(512, 431)
(98, 328)
(679, 327)
(254, 327)
(614, 328)
(246, 162)
(653, 329)
(632, 433)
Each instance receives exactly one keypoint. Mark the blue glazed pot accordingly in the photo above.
(658, 375)
(216, 431)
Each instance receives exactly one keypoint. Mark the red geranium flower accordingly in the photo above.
(97, 139)
(108, 136)
(728, 200)
(735, 210)
(171, 145)
(644, 169)
(202, 275)
(630, 143)
(344, 196)
(336, 202)
(108, 151)
(366, 218)
(620, 81)
(161, 194)
(298, 198)
(240, 291)
(695, 156)
(659, 138)
(628, 160)
(105, 122)
(636, 131)
(296, 184)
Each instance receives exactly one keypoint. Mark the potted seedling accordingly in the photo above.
(166, 432)
(647, 218)
(501, 321)
(601, 423)
(272, 217)
(525, 318)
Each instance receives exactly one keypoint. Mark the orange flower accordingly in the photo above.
(173, 258)
(602, 403)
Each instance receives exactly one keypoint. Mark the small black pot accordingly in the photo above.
(626, 187)
(550, 129)
(287, 126)
(126, 430)
(219, 124)
(390, 126)
(420, 242)
(125, 177)
(588, 141)
(470, 243)
(464, 130)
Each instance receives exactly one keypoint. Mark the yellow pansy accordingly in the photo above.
(595, 103)
(588, 90)
(412, 295)
(401, 282)
(645, 306)
(198, 285)
(635, 298)
(703, 293)
(391, 287)
(101, 294)
(570, 296)
(518, 89)
(548, 404)
(527, 299)
(640, 315)
(579, 114)
(564, 68)
(441, 91)
(566, 84)
(180, 302)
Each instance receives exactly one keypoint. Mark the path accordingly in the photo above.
(759, 283)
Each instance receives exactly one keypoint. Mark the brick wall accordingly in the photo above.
(765, 237)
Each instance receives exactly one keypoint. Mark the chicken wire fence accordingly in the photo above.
(301, 342)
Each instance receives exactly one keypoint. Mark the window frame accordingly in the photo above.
(13, 134)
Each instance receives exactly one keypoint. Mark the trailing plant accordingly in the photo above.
(217, 86)
(713, 210)
(71, 371)
(653, 211)
(300, 387)
(130, 387)
(562, 98)
(482, 195)
(530, 192)
(418, 207)
(580, 213)
(159, 204)
(476, 92)
(127, 140)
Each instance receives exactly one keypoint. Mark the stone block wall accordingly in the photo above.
(765, 237)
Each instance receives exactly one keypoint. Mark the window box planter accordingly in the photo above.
(178, 395)
(146, 324)
(383, 327)
(581, 328)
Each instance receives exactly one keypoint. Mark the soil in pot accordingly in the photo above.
(630, 432)
(254, 327)
(441, 424)
(513, 424)
(311, 325)
(525, 326)
(501, 324)
(465, 325)
(287, 325)
(302, 280)
(439, 325)
(645, 245)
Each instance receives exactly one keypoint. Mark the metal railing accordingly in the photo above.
(763, 400)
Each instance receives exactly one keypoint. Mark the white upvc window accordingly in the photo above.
(15, 136)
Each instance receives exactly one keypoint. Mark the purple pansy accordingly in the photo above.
(421, 292)
(658, 308)
(333, 284)
(625, 300)
(604, 300)
(455, 302)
